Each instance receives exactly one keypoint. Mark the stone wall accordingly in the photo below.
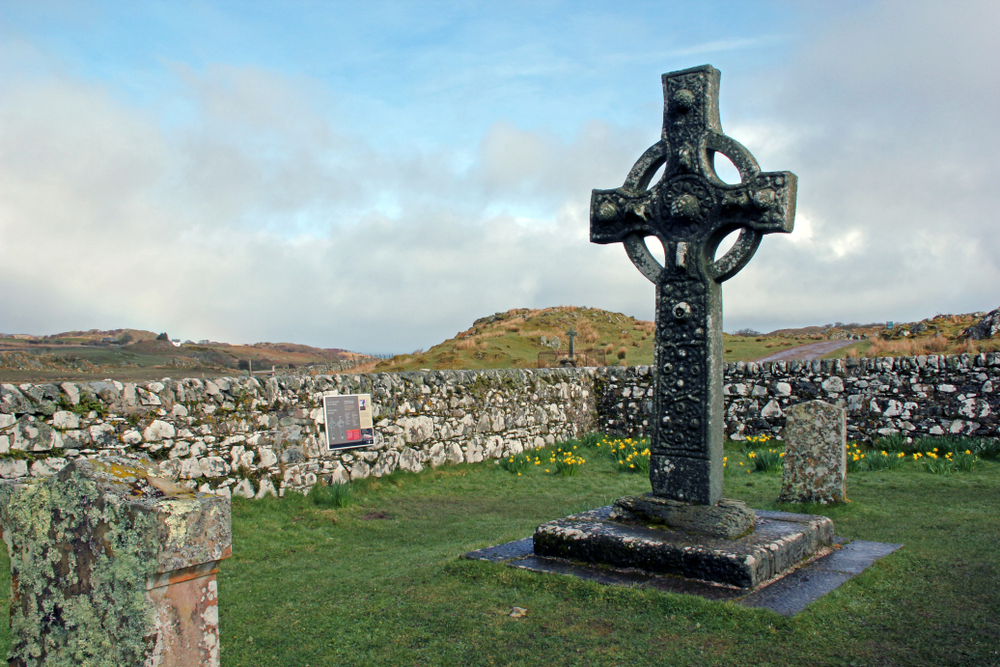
(251, 437)
(915, 396)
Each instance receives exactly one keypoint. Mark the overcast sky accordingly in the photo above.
(377, 175)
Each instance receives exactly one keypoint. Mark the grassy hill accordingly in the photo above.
(514, 339)
(519, 338)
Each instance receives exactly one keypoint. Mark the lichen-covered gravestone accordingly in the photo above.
(111, 565)
(815, 464)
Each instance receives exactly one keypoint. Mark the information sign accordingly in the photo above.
(348, 421)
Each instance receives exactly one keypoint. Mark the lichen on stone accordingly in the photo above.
(80, 559)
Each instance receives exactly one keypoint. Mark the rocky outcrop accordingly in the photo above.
(988, 327)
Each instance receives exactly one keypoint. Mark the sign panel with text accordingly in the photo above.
(348, 421)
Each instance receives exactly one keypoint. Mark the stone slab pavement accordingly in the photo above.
(808, 352)
(787, 595)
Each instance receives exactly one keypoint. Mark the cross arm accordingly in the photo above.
(766, 204)
(619, 213)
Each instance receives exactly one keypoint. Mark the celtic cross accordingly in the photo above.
(572, 334)
(690, 210)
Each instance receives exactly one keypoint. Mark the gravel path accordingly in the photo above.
(808, 352)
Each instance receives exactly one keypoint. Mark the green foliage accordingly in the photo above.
(332, 495)
(757, 442)
(517, 464)
(88, 403)
(884, 460)
(938, 465)
(161, 454)
(566, 461)
(765, 460)
(988, 448)
(890, 443)
(936, 455)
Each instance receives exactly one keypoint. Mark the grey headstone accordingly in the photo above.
(815, 465)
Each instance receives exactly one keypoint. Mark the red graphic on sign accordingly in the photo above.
(354, 434)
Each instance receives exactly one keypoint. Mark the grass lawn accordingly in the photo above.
(381, 583)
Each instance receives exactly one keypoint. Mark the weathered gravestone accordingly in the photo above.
(815, 464)
(690, 210)
(111, 565)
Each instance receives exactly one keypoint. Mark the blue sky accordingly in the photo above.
(375, 176)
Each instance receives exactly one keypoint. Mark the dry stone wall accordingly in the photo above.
(250, 437)
(244, 436)
(914, 396)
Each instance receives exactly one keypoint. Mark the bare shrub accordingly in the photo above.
(936, 344)
(967, 346)
(622, 351)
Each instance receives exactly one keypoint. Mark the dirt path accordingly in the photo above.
(808, 352)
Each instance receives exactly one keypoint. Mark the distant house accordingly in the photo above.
(176, 342)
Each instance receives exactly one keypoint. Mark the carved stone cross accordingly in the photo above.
(572, 334)
(690, 210)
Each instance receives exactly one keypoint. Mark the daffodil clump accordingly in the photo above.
(855, 458)
(942, 463)
(936, 460)
(517, 464)
(765, 460)
(628, 454)
(757, 441)
(565, 462)
(884, 460)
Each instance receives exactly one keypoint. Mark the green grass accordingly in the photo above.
(749, 348)
(380, 582)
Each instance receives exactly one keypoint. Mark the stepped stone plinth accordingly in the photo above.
(778, 542)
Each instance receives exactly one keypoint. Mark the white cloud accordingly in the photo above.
(244, 206)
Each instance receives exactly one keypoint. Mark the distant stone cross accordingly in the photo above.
(690, 210)
(572, 334)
